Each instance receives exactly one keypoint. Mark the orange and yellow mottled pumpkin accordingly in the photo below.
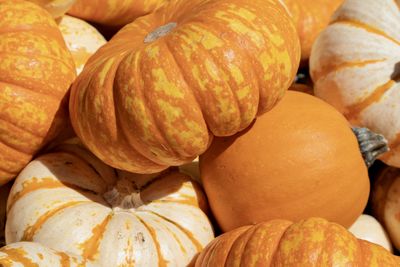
(57, 8)
(163, 86)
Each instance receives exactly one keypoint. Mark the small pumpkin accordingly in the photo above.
(29, 254)
(309, 242)
(57, 8)
(114, 218)
(385, 201)
(299, 160)
(311, 17)
(36, 71)
(82, 39)
(368, 228)
(354, 68)
(163, 86)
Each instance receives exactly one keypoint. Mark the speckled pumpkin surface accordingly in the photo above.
(36, 70)
(57, 8)
(155, 95)
(310, 243)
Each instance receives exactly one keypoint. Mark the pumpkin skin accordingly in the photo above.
(57, 8)
(36, 71)
(82, 39)
(114, 218)
(310, 242)
(385, 201)
(299, 87)
(113, 12)
(354, 68)
(29, 254)
(310, 18)
(299, 160)
(142, 106)
(368, 228)
(4, 192)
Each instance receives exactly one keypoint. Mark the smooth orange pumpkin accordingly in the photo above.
(310, 242)
(299, 160)
(159, 90)
(36, 71)
(311, 17)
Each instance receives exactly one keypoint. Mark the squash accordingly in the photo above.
(368, 228)
(354, 68)
(310, 18)
(163, 86)
(57, 8)
(309, 242)
(29, 254)
(4, 192)
(82, 39)
(113, 12)
(36, 71)
(299, 87)
(299, 160)
(114, 218)
(385, 201)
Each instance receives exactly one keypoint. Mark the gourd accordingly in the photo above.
(57, 8)
(355, 68)
(156, 94)
(309, 242)
(299, 160)
(113, 217)
(36, 71)
(4, 191)
(82, 39)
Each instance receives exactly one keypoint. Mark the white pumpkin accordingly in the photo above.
(355, 67)
(70, 201)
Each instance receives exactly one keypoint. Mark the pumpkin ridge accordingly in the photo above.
(30, 90)
(242, 241)
(14, 148)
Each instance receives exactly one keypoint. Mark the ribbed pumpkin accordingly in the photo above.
(155, 94)
(354, 66)
(385, 201)
(30, 254)
(72, 202)
(310, 242)
(299, 160)
(56, 8)
(113, 12)
(368, 228)
(82, 39)
(36, 71)
(310, 17)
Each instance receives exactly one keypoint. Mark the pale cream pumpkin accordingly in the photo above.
(355, 67)
(368, 228)
(82, 39)
(113, 218)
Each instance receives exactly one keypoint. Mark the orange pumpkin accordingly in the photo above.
(299, 160)
(311, 17)
(159, 90)
(299, 87)
(113, 12)
(310, 242)
(56, 8)
(36, 71)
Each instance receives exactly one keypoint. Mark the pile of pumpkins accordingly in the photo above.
(188, 133)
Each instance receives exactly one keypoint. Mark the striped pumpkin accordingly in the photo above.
(36, 71)
(354, 66)
(310, 242)
(159, 90)
(30, 254)
(70, 201)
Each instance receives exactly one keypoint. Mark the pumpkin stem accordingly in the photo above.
(124, 195)
(372, 145)
(159, 32)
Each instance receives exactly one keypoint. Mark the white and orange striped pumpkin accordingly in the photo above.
(70, 201)
(355, 67)
(82, 39)
(29, 254)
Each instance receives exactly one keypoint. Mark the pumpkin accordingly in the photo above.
(4, 191)
(309, 242)
(385, 201)
(82, 39)
(299, 160)
(158, 91)
(34, 254)
(192, 169)
(310, 18)
(368, 228)
(114, 218)
(354, 68)
(113, 12)
(57, 8)
(36, 71)
(301, 88)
